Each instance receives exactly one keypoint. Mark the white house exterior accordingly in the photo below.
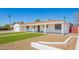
(52, 26)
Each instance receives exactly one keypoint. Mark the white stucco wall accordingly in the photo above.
(29, 30)
(50, 29)
(16, 28)
(36, 29)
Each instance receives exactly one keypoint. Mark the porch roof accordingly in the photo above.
(45, 22)
(42, 22)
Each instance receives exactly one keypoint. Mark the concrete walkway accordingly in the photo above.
(39, 46)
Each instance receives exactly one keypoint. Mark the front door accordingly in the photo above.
(70, 30)
(38, 28)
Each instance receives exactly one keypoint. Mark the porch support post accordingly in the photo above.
(25, 28)
(33, 28)
(44, 29)
(62, 28)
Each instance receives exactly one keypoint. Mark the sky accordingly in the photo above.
(31, 14)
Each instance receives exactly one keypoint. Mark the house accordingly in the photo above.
(50, 26)
(1, 27)
(74, 29)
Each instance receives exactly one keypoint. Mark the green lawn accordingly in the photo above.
(12, 38)
(10, 33)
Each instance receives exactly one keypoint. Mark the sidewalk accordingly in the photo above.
(5, 31)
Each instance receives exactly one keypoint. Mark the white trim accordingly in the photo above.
(44, 29)
(45, 23)
(62, 28)
(25, 28)
(42, 23)
(33, 29)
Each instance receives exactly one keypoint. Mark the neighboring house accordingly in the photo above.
(74, 29)
(1, 27)
(51, 26)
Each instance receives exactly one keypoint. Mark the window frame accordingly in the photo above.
(58, 27)
(28, 27)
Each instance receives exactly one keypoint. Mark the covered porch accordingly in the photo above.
(51, 27)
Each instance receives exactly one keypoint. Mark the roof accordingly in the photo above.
(22, 23)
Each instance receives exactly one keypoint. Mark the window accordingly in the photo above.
(43, 25)
(33, 27)
(57, 26)
(27, 27)
(47, 26)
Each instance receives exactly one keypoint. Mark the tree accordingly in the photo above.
(71, 24)
(9, 18)
(14, 23)
(37, 20)
(10, 21)
(7, 27)
(64, 18)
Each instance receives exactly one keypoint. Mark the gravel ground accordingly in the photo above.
(71, 45)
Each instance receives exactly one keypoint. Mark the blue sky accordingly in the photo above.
(31, 14)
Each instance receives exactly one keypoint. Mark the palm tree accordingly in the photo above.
(37, 20)
(49, 19)
(9, 16)
(64, 18)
